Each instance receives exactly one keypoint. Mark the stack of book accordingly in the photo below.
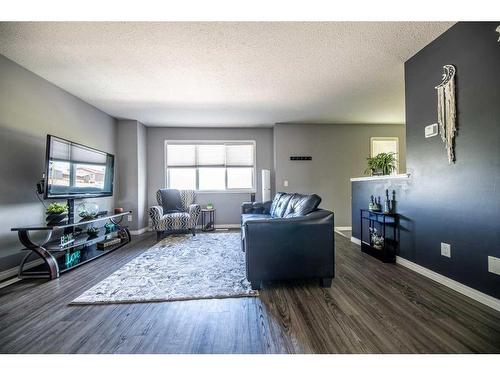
(107, 243)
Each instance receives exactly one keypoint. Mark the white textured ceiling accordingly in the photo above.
(226, 74)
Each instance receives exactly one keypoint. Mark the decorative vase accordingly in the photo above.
(393, 202)
(377, 241)
(55, 219)
(387, 203)
(110, 227)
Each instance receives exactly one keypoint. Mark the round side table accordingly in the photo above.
(208, 219)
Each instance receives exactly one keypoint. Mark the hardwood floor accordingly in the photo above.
(371, 308)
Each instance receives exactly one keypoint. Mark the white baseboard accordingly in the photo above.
(10, 275)
(224, 226)
(139, 231)
(341, 231)
(343, 228)
(228, 226)
(475, 294)
(9, 282)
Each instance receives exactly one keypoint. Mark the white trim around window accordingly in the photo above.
(374, 140)
(224, 164)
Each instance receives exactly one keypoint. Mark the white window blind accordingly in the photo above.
(211, 155)
(181, 155)
(240, 155)
(211, 166)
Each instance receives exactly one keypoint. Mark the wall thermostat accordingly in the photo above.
(431, 130)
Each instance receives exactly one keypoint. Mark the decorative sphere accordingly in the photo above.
(88, 210)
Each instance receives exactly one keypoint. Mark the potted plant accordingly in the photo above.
(56, 213)
(381, 164)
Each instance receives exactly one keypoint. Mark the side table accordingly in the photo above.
(208, 219)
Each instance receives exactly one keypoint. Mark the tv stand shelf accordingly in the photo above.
(58, 258)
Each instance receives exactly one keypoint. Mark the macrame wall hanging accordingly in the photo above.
(446, 109)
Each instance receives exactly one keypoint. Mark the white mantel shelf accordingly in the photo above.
(374, 178)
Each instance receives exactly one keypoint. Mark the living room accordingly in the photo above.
(250, 187)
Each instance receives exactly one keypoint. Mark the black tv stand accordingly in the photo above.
(71, 215)
(71, 210)
(59, 258)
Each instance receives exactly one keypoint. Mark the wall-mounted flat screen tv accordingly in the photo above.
(76, 171)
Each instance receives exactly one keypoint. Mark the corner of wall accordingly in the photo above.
(132, 170)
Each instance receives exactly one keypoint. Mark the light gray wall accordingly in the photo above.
(127, 168)
(132, 172)
(142, 186)
(31, 108)
(338, 153)
(227, 204)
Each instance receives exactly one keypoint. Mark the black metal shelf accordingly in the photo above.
(80, 239)
(71, 225)
(87, 253)
(59, 258)
(387, 253)
(379, 216)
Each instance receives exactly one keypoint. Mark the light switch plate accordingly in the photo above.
(494, 265)
(431, 130)
(446, 249)
(285, 183)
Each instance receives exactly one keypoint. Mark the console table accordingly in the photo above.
(59, 258)
(387, 223)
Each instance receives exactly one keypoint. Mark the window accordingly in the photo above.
(385, 144)
(210, 166)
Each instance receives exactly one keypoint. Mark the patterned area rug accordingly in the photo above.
(180, 267)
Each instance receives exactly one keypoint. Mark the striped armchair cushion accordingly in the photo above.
(177, 220)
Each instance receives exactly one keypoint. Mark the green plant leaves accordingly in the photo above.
(57, 208)
(384, 163)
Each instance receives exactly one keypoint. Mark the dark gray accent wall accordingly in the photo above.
(228, 205)
(338, 151)
(31, 107)
(460, 203)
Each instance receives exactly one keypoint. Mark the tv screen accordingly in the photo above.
(76, 171)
